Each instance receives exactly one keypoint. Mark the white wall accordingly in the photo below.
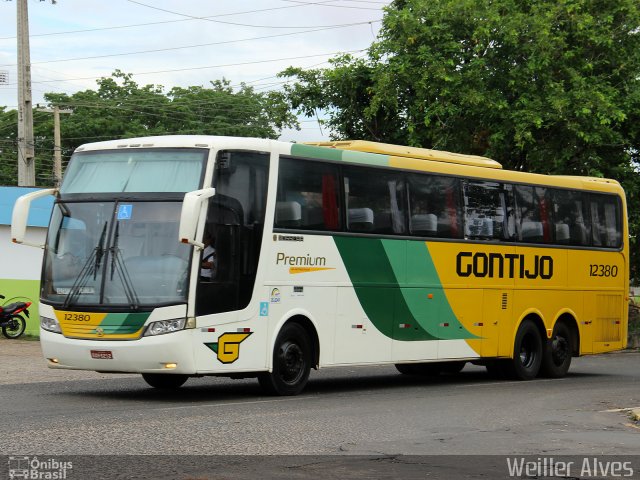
(20, 262)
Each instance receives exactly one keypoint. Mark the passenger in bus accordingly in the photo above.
(208, 265)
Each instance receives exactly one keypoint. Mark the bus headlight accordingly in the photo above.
(165, 326)
(50, 324)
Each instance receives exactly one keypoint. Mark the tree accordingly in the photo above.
(8, 147)
(551, 86)
(120, 108)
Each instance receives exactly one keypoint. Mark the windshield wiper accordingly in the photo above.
(89, 268)
(118, 265)
(99, 251)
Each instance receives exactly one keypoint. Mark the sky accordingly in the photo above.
(183, 43)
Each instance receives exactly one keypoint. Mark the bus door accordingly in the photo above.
(233, 233)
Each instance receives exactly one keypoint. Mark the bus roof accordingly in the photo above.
(372, 153)
(410, 152)
(600, 180)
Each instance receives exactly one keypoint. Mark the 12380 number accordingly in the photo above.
(600, 270)
(77, 317)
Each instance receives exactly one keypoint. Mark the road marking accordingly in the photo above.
(616, 410)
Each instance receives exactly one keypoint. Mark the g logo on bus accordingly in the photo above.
(228, 346)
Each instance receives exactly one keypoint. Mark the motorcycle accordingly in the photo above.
(13, 324)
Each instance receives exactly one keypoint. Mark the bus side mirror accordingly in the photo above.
(20, 215)
(193, 206)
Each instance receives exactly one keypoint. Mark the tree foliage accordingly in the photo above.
(551, 86)
(120, 108)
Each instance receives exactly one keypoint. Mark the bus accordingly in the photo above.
(325, 254)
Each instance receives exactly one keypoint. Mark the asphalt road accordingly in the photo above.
(372, 412)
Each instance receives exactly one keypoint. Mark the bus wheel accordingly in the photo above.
(165, 381)
(556, 359)
(527, 352)
(291, 362)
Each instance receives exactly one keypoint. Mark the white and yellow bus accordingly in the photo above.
(338, 253)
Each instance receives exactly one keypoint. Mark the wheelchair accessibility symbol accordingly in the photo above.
(124, 212)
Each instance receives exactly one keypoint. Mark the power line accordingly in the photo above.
(135, 25)
(209, 19)
(236, 85)
(201, 68)
(228, 102)
(225, 42)
(337, 6)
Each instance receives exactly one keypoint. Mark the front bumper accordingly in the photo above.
(145, 355)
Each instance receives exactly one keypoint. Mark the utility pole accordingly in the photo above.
(57, 143)
(26, 163)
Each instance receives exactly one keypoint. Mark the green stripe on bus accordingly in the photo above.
(376, 287)
(422, 289)
(397, 284)
(365, 158)
(123, 323)
(309, 151)
(326, 153)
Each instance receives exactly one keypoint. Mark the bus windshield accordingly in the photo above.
(115, 253)
(144, 170)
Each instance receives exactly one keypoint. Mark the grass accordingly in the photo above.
(634, 319)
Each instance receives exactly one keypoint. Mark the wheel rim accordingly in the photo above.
(528, 353)
(559, 350)
(291, 363)
(14, 328)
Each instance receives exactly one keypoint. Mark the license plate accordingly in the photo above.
(102, 354)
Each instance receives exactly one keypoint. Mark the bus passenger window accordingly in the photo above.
(434, 206)
(307, 196)
(375, 201)
(534, 214)
(605, 219)
(571, 217)
(485, 206)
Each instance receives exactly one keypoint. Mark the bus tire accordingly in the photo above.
(165, 381)
(527, 352)
(291, 362)
(556, 358)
